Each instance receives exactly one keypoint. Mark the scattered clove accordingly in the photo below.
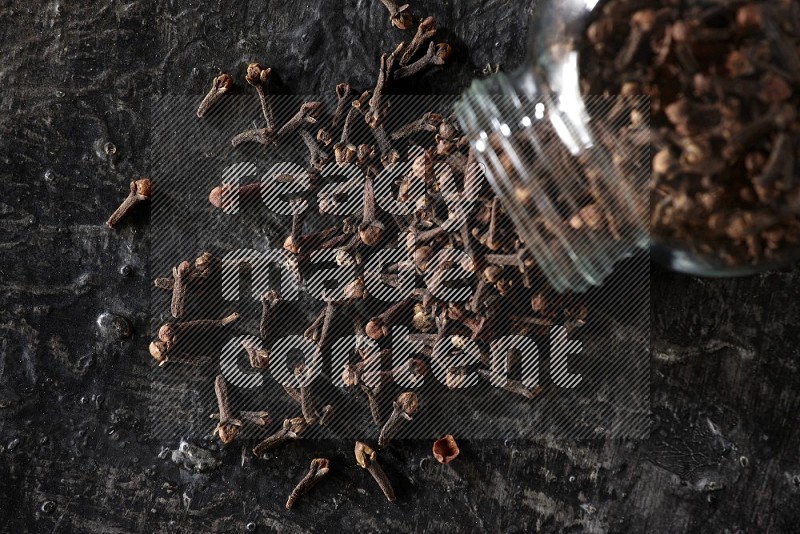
(436, 55)
(180, 277)
(291, 429)
(723, 81)
(140, 191)
(367, 459)
(221, 85)
(258, 77)
(319, 468)
(445, 450)
(425, 32)
(258, 357)
(399, 16)
(228, 427)
(402, 409)
(170, 332)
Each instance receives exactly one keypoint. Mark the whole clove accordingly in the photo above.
(228, 427)
(290, 429)
(319, 468)
(723, 79)
(445, 450)
(140, 190)
(402, 409)
(221, 85)
(366, 458)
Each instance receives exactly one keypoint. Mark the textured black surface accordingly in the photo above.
(723, 454)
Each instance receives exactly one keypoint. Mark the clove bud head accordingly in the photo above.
(423, 318)
(159, 351)
(445, 450)
(444, 51)
(216, 195)
(344, 153)
(365, 456)
(402, 20)
(290, 246)
(142, 187)
(350, 377)
(408, 402)
(376, 329)
(223, 82)
(257, 75)
(320, 465)
(227, 432)
(167, 333)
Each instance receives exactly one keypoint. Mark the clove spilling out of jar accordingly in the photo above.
(723, 83)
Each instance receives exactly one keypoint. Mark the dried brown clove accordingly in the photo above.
(343, 92)
(371, 229)
(389, 156)
(424, 318)
(402, 409)
(140, 190)
(477, 324)
(258, 77)
(228, 427)
(378, 326)
(258, 357)
(429, 122)
(354, 372)
(324, 137)
(372, 401)
(318, 158)
(448, 139)
(367, 459)
(308, 113)
(262, 136)
(160, 352)
(314, 329)
(164, 283)
(306, 399)
(399, 16)
(221, 85)
(170, 332)
(491, 239)
(269, 302)
(378, 105)
(319, 468)
(291, 429)
(303, 244)
(436, 55)
(222, 195)
(180, 277)
(344, 151)
(445, 450)
(207, 264)
(261, 418)
(641, 24)
(425, 32)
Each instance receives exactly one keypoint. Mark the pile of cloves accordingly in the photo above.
(723, 79)
(508, 292)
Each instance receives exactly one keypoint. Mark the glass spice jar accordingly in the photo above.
(710, 87)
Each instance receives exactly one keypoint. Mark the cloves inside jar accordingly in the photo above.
(711, 87)
(723, 83)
